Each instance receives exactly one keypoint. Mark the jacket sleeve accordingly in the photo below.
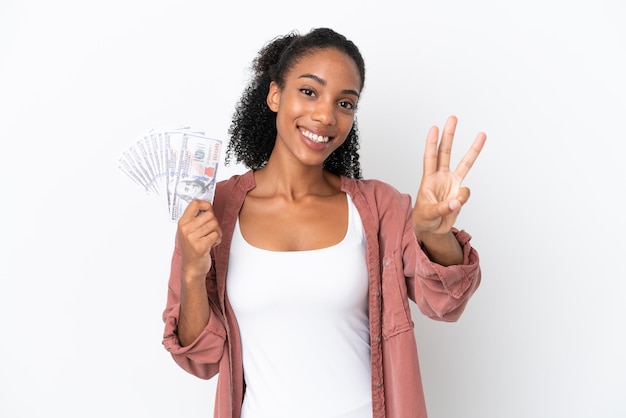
(201, 357)
(440, 292)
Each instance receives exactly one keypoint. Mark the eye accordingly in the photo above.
(347, 105)
(307, 91)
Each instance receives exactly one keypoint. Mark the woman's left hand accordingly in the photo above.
(440, 196)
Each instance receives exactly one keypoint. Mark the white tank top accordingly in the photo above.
(303, 320)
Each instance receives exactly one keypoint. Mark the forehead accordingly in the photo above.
(330, 65)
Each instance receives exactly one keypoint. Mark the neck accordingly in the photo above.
(295, 183)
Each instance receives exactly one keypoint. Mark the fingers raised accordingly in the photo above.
(437, 154)
(445, 146)
(430, 154)
(471, 155)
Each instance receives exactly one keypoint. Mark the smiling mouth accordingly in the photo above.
(314, 137)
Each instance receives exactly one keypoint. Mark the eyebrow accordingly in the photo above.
(323, 83)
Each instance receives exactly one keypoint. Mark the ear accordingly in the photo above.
(273, 97)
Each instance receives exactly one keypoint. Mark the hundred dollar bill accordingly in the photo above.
(196, 158)
(176, 166)
(131, 163)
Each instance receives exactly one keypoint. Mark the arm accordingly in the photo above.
(193, 334)
(441, 292)
(198, 231)
(446, 272)
(440, 196)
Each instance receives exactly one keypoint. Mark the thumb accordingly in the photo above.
(454, 205)
(463, 195)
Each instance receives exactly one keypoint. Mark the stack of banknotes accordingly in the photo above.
(177, 166)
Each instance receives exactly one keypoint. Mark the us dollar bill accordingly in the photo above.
(175, 165)
(197, 159)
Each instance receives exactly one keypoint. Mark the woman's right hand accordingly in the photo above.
(198, 232)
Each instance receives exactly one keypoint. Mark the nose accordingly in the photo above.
(324, 112)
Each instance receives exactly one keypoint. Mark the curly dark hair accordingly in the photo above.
(253, 128)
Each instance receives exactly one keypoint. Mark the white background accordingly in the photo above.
(85, 254)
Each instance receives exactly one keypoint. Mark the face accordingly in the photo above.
(189, 188)
(316, 107)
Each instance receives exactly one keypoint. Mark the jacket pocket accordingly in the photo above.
(395, 302)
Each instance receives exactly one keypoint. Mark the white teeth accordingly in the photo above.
(315, 138)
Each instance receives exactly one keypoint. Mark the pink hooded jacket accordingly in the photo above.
(398, 270)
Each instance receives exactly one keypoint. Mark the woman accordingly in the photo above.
(294, 284)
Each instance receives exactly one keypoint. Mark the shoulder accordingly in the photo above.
(373, 189)
(231, 191)
(226, 186)
(378, 201)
